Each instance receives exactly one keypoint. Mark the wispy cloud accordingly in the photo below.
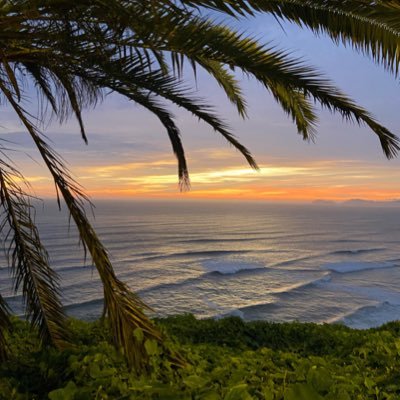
(279, 181)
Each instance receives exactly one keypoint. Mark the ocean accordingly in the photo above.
(259, 261)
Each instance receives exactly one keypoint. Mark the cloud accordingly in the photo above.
(274, 181)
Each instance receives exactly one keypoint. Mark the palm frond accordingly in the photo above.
(29, 261)
(298, 107)
(372, 28)
(273, 68)
(226, 81)
(150, 103)
(127, 81)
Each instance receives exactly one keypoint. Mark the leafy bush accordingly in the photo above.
(227, 359)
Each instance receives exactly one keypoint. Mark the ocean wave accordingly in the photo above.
(357, 251)
(284, 290)
(348, 241)
(210, 268)
(93, 302)
(297, 259)
(145, 254)
(138, 257)
(370, 316)
(229, 267)
(356, 266)
(75, 268)
(373, 293)
(89, 310)
(340, 318)
(169, 285)
(230, 313)
(220, 240)
(394, 260)
(288, 289)
(206, 253)
(254, 268)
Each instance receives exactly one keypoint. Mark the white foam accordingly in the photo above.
(350, 266)
(227, 267)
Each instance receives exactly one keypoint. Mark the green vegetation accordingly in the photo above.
(228, 359)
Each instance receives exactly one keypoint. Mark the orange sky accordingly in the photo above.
(230, 178)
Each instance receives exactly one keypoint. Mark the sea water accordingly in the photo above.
(260, 261)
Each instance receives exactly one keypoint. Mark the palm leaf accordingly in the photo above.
(227, 82)
(296, 105)
(29, 262)
(150, 103)
(372, 28)
(201, 38)
(127, 81)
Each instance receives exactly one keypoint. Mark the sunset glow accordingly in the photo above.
(318, 180)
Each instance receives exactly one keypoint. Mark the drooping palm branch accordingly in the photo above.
(369, 27)
(29, 261)
(75, 51)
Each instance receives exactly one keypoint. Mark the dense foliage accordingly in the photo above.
(227, 359)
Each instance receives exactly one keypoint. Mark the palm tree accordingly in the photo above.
(73, 52)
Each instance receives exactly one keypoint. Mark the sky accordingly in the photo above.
(129, 155)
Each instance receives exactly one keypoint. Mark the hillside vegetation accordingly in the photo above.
(227, 359)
